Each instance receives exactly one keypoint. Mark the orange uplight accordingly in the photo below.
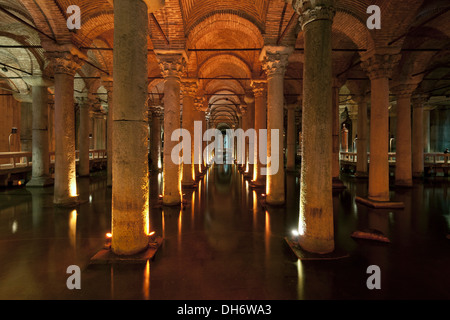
(109, 235)
(152, 233)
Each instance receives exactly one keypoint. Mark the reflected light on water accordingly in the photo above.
(146, 286)
(300, 281)
(73, 227)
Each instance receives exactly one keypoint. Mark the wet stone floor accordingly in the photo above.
(223, 245)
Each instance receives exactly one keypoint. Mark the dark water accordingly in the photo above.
(224, 245)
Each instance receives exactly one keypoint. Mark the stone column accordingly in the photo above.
(403, 166)
(426, 128)
(40, 142)
(173, 65)
(250, 125)
(259, 91)
(379, 67)
(200, 117)
(155, 136)
(130, 188)
(291, 138)
(361, 142)
(26, 122)
(316, 203)
(244, 150)
(417, 136)
(65, 64)
(336, 128)
(274, 61)
(108, 84)
(83, 139)
(189, 91)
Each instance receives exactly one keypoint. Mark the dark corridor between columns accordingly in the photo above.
(224, 245)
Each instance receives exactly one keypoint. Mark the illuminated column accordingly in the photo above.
(83, 139)
(65, 65)
(403, 166)
(250, 125)
(189, 91)
(155, 136)
(336, 167)
(275, 61)
(108, 84)
(426, 128)
(417, 136)
(378, 66)
(259, 91)
(291, 138)
(316, 203)
(361, 142)
(40, 142)
(130, 189)
(199, 113)
(244, 151)
(172, 64)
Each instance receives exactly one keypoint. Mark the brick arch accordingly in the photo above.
(95, 25)
(351, 25)
(48, 17)
(224, 21)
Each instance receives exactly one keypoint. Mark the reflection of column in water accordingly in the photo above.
(300, 282)
(402, 224)
(146, 282)
(255, 210)
(73, 228)
(421, 212)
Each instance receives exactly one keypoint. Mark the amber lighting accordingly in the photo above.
(151, 233)
(109, 235)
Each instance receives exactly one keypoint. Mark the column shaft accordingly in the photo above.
(403, 166)
(83, 138)
(40, 142)
(259, 90)
(316, 203)
(361, 142)
(130, 189)
(291, 139)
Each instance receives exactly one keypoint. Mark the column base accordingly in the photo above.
(362, 175)
(274, 202)
(40, 182)
(170, 202)
(338, 184)
(106, 256)
(304, 255)
(380, 204)
(257, 184)
(400, 184)
(189, 185)
(67, 203)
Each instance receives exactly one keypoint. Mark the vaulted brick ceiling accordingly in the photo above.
(245, 25)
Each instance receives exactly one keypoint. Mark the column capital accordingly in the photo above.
(419, 100)
(243, 109)
(404, 90)
(380, 63)
(200, 104)
(23, 97)
(66, 58)
(313, 10)
(259, 87)
(274, 59)
(189, 87)
(38, 81)
(173, 63)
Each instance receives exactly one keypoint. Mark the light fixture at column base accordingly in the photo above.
(106, 256)
(380, 204)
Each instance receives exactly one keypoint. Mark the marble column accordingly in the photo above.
(418, 103)
(83, 138)
(379, 66)
(250, 125)
(259, 91)
(291, 138)
(155, 136)
(199, 112)
(403, 166)
(108, 84)
(65, 65)
(274, 61)
(426, 128)
(361, 142)
(40, 176)
(336, 128)
(130, 188)
(173, 65)
(189, 91)
(316, 232)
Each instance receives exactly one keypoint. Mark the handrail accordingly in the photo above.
(24, 158)
(429, 158)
